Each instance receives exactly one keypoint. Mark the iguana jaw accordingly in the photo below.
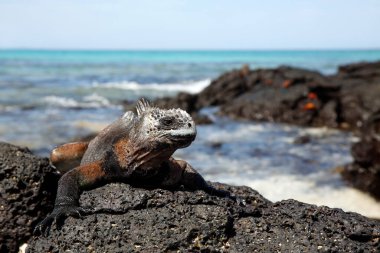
(182, 137)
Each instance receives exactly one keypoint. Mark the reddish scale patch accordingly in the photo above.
(121, 151)
(90, 173)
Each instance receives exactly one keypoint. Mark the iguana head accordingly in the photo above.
(161, 128)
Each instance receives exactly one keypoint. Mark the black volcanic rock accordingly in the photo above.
(27, 192)
(291, 95)
(236, 83)
(361, 70)
(364, 172)
(183, 100)
(128, 219)
(360, 92)
(288, 95)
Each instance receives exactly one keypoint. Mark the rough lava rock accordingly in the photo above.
(287, 95)
(364, 172)
(127, 219)
(27, 192)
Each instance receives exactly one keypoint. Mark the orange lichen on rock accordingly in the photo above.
(287, 83)
(312, 95)
(309, 106)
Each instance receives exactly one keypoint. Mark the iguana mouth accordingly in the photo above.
(184, 134)
(182, 138)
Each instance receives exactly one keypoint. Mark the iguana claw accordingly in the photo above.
(58, 215)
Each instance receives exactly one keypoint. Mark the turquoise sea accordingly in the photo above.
(41, 79)
(48, 97)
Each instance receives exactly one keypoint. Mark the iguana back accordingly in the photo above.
(102, 143)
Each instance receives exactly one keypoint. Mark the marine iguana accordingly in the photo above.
(135, 149)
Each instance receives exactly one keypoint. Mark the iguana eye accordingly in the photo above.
(167, 121)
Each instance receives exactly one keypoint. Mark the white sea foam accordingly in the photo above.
(90, 101)
(280, 187)
(190, 87)
(95, 99)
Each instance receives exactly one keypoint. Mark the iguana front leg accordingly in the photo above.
(68, 156)
(183, 174)
(70, 186)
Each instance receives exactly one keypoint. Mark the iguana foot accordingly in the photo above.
(58, 216)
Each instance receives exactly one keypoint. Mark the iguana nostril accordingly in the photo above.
(189, 124)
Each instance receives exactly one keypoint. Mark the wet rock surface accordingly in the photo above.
(127, 219)
(292, 95)
(27, 191)
(364, 172)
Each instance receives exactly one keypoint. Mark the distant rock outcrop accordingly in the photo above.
(291, 95)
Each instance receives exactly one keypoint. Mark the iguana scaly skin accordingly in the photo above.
(135, 149)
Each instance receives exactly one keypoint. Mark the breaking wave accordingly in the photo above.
(90, 101)
(190, 87)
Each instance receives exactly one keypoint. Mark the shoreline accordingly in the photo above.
(229, 91)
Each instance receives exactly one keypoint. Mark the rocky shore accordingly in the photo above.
(291, 95)
(296, 96)
(126, 219)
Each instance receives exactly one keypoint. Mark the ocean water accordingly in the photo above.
(50, 97)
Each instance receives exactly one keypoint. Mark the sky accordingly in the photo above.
(190, 24)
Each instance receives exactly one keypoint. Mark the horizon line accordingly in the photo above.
(186, 49)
